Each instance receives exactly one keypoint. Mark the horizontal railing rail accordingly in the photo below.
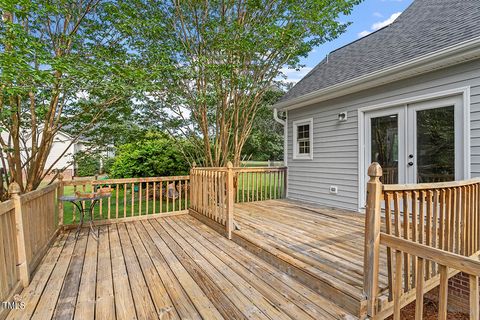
(28, 225)
(213, 196)
(436, 217)
(130, 198)
(259, 184)
(448, 264)
(217, 189)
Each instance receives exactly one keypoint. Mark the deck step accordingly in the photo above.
(325, 284)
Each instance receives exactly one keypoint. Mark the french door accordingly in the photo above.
(418, 142)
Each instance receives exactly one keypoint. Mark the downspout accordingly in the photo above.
(285, 139)
(285, 134)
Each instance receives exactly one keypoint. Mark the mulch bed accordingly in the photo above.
(430, 312)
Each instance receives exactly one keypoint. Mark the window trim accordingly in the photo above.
(296, 154)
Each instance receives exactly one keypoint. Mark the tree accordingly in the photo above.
(266, 139)
(154, 155)
(62, 64)
(222, 56)
(86, 164)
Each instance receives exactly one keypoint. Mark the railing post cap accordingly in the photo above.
(375, 170)
(229, 164)
(194, 164)
(14, 188)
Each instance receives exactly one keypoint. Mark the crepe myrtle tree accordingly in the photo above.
(63, 64)
(223, 56)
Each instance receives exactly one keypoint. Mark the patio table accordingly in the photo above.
(84, 209)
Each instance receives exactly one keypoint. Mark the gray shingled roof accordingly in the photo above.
(424, 27)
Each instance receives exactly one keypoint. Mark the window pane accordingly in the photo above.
(436, 145)
(304, 147)
(384, 145)
(303, 131)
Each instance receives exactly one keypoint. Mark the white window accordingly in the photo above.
(303, 139)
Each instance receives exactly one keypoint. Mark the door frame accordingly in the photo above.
(465, 120)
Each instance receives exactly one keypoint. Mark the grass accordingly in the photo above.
(250, 187)
(125, 206)
(259, 186)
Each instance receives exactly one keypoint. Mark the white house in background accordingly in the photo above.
(406, 96)
(62, 143)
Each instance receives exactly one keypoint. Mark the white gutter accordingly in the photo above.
(458, 53)
(285, 136)
(275, 116)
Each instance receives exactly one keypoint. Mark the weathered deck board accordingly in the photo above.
(321, 247)
(169, 268)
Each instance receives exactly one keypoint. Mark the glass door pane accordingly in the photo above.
(435, 145)
(384, 146)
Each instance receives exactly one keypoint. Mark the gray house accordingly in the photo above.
(406, 96)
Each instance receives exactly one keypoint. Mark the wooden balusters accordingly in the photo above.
(474, 298)
(431, 233)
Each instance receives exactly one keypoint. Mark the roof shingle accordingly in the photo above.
(424, 27)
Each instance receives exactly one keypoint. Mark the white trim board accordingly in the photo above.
(295, 124)
(464, 91)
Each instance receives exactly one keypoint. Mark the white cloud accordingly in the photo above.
(378, 15)
(293, 75)
(380, 24)
(363, 33)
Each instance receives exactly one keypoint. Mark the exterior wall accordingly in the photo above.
(61, 142)
(335, 144)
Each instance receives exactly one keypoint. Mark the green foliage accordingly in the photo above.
(64, 65)
(215, 60)
(156, 155)
(87, 164)
(107, 165)
(266, 139)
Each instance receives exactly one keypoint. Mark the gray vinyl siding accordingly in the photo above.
(335, 144)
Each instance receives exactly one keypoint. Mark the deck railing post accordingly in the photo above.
(230, 200)
(372, 237)
(60, 192)
(14, 190)
(193, 187)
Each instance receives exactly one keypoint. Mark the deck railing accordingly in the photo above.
(258, 184)
(215, 190)
(28, 225)
(212, 196)
(131, 198)
(430, 231)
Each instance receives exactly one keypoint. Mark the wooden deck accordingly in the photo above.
(178, 268)
(322, 248)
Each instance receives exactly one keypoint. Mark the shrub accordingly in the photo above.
(107, 165)
(156, 156)
(86, 164)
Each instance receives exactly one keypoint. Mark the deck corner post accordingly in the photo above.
(230, 200)
(372, 237)
(60, 192)
(22, 264)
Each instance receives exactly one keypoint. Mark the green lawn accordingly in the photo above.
(125, 205)
(250, 187)
(259, 186)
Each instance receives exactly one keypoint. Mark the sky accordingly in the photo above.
(367, 17)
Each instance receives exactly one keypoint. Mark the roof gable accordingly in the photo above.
(425, 27)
